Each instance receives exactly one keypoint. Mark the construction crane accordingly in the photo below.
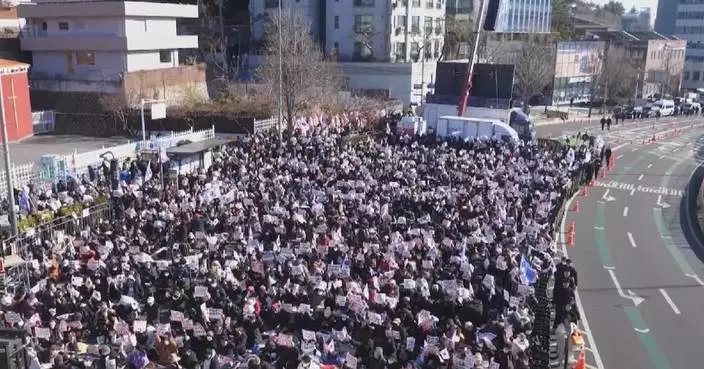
(462, 105)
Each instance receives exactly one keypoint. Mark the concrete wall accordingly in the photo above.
(173, 84)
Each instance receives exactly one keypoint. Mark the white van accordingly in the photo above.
(665, 107)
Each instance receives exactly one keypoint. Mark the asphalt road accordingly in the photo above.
(639, 283)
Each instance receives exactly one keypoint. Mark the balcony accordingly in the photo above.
(106, 43)
(364, 3)
(363, 28)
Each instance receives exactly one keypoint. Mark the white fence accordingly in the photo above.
(43, 121)
(77, 163)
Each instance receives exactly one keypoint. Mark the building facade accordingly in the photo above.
(93, 46)
(314, 10)
(640, 21)
(534, 16)
(15, 94)
(666, 16)
(689, 26)
(385, 31)
(576, 65)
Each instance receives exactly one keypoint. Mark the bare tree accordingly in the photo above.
(614, 72)
(457, 32)
(120, 106)
(364, 35)
(534, 67)
(306, 79)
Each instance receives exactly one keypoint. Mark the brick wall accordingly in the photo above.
(171, 84)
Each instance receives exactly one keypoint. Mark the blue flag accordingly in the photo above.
(529, 274)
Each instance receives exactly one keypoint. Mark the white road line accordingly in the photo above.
(625, 211)
(577, 299)
(650, 165)
(630, 238)
(619, 157)
(633, 191)
(669, 301)
(640, 177)
(634, 150)
(599, 228)
(662, 157)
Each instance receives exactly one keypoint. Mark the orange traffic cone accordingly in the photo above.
(603, 174)
(575, 206)
(581, 361)
(570, 238)
(570, 227)
(591, 183)
(583, 192)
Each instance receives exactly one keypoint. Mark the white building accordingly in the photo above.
(92, 46)
(515, 16)
(639, 21)
(377, 30)
(689, 26)
(261, 10)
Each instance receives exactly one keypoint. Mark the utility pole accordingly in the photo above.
(8, 173)
(280, 72)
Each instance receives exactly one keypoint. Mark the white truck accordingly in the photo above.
(469, 128)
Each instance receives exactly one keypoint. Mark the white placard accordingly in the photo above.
(140, 326)
(200, 291)
(158, 110)
(40, 332)
(176, 316)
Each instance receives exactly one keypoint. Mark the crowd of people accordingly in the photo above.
(308, 252)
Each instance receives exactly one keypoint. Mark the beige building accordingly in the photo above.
(576, 65)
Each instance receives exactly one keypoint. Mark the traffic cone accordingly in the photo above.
(591, 183)
(575, 206)
(583, 192)
(581, 361)
(570, 227)
(603, 173)
(570, 238)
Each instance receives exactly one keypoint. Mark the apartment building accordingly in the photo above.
(108, 47)
(520, 16)
(689, 26)
(386, 47)
(666, 16)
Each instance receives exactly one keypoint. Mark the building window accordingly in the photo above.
(428, 25)
(401, 21)
(400, 51)
(270, 4)
(428, 50)
(695, 76)
(415, 24)
(439, 26)
(415, 3)
(362, 50)
(44, 26)
(363, 2)
(63, 26)
(165, 56)
(436, 49)
(336, 46)
(337, 22)
(363, 23)
(685, 76)
(415, 51)
(85, 58)
(429, 4)
(79, 24)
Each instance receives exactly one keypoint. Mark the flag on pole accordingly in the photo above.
(148, 174)
(527, 272)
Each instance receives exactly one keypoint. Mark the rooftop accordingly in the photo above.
(196, 147)
(7, 65)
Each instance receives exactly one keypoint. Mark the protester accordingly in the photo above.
(311, 252)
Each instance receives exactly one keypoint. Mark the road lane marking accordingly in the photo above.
(599, 228)
(634, 150)
(650, 165)
(630, 238)
(625, 211)
(655, 353)
(669, 301)
(640, 177)
(633, 191)
(619, 157)
(577, 299)
(662, 157)
(616, 185)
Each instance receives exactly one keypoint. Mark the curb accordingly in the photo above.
(691, 214)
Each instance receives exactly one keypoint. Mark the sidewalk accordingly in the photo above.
(571, 120)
